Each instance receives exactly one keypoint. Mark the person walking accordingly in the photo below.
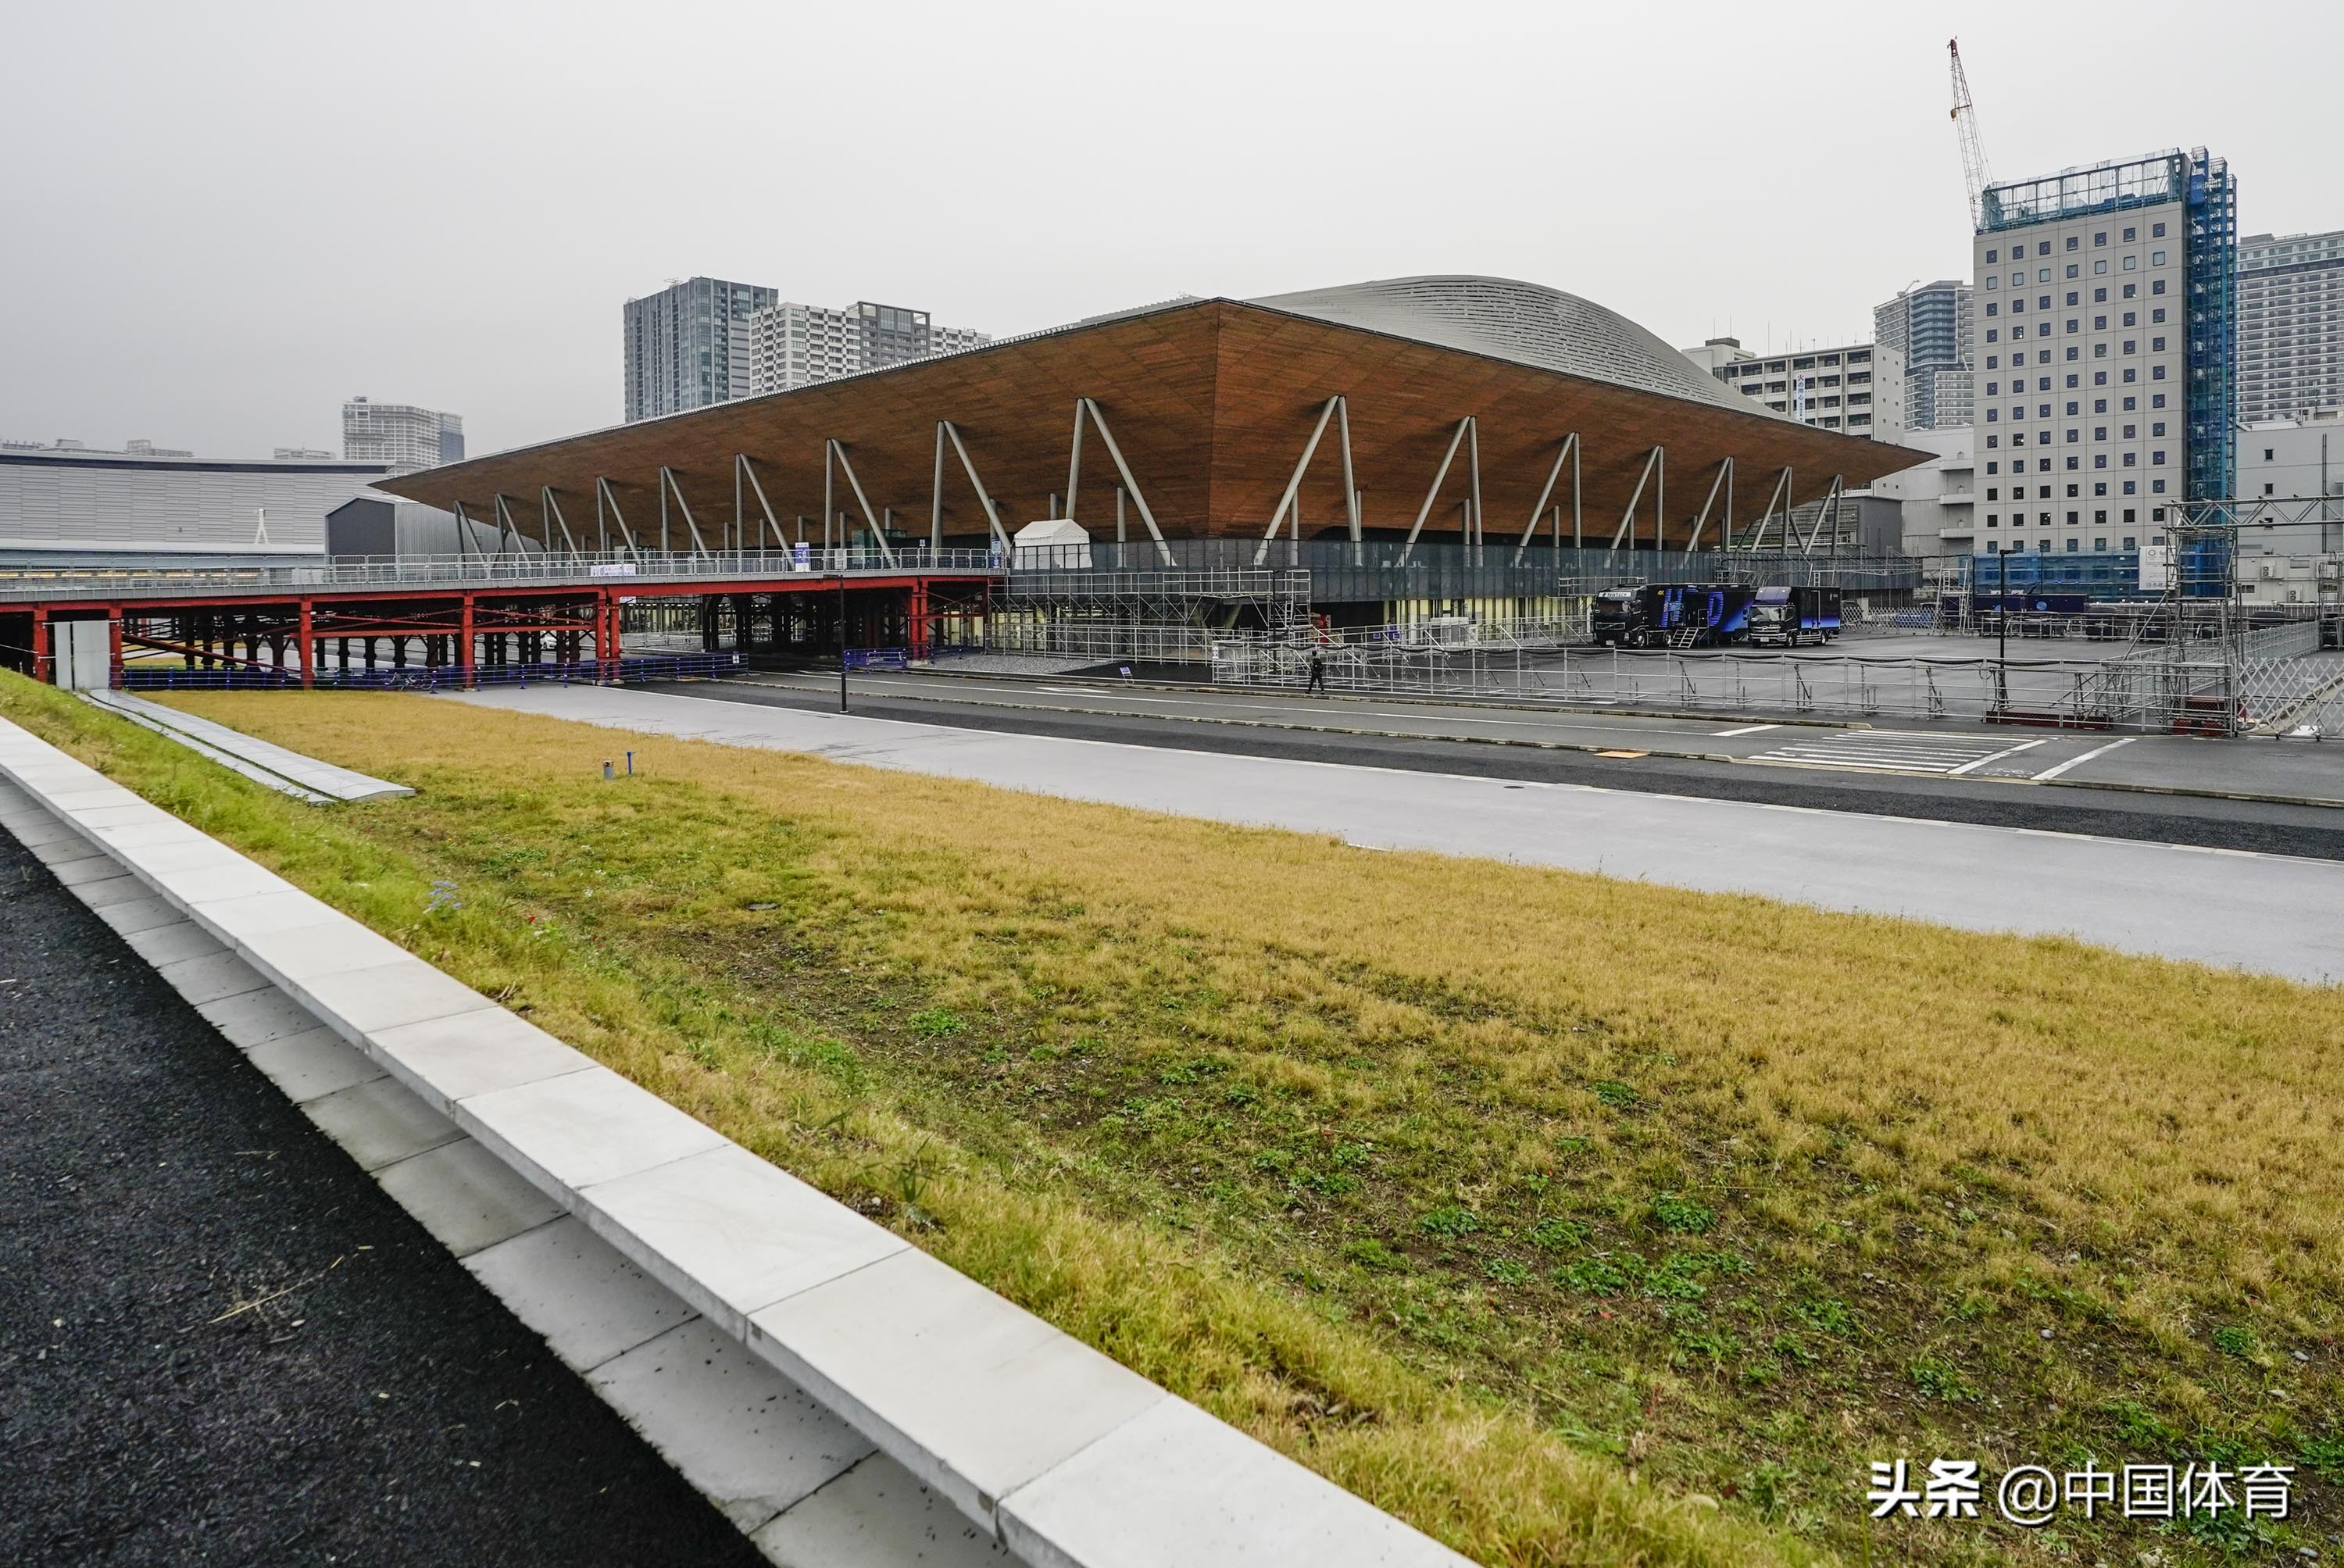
(1318, 674)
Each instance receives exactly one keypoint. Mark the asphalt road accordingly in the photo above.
(2274, 914)
(376, 1405)
(1289, 728)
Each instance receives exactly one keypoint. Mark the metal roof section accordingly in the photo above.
(1527, 323)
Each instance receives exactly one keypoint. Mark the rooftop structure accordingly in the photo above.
(1216, 417)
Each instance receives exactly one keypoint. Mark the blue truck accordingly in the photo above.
(1671, 615)
(1793, 615)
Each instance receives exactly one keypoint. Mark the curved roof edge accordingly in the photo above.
(1528, 323)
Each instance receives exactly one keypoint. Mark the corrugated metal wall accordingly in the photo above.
(70, 504)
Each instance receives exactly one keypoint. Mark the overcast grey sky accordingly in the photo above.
(222, 220)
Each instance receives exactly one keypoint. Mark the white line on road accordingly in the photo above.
(2012, 751)
(1744, 730)
(2088, 756)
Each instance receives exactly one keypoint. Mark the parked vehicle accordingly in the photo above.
(1671, 614)
(1793, 615)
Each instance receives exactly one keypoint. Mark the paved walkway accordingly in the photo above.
(2269, 913)
(221, 1343)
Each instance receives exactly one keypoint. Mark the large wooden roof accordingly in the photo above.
(1211, 402)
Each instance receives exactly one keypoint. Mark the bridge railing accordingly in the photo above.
(516, 569)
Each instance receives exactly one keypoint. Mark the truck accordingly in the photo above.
(1671, 614)
(1792, 615)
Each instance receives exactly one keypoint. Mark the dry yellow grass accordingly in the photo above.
(1892, 1151)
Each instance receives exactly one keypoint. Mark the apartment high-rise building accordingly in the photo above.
(2291, 325)
(792, 345)
(1858, 390)
(2104, 344)
(1930, 327)
(400, 435)
(687, 346)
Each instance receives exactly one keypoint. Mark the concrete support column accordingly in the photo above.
(464, 650)
(308, 644)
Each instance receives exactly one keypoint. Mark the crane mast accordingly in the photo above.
(1965, 125)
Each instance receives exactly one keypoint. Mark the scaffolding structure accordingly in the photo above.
(1154, 616)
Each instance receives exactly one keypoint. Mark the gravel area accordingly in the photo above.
(221, 1343)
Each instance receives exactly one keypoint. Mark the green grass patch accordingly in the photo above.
(1527, 1205)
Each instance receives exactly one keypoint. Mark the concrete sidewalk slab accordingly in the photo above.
(575, 1289)
(793, 1445)
(464, 1195)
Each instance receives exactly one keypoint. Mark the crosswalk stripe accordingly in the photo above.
(1892, 750)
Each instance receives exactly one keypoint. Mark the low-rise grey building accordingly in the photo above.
(69, 504)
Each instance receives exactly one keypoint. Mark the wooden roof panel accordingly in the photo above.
(1211, 403)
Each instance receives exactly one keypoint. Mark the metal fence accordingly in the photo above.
(1387, 570)
(140, 677)
(2183, 690)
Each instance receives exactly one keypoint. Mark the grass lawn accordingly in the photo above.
(1573, 1220)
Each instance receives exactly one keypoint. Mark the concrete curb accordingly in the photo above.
(491, 1130)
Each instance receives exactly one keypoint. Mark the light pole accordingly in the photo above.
(2002, 637)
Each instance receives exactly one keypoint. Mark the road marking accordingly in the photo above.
(1744, 730)
(1894, 750)
(2021, 746)
(2088, 756)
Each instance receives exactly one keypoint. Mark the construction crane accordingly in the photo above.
(1966, 124)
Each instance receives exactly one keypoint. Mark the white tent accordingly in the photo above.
(1057, 543)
